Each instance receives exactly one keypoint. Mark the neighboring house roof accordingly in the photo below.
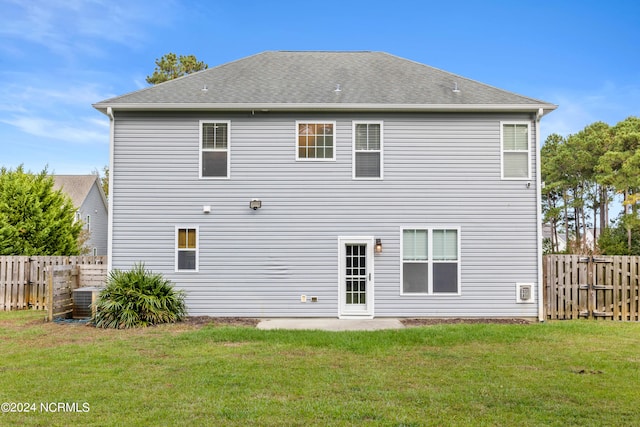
(324, 81)
(77, 187)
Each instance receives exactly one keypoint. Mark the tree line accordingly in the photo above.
(585, 175)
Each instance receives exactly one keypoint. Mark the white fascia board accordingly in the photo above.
(328, 107)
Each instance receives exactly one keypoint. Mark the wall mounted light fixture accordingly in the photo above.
(255, 204)
(378, 246)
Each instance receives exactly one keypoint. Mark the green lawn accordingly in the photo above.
(559, 373)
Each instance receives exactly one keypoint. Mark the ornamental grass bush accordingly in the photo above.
(138, 298)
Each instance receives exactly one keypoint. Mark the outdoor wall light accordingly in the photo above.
(255, 204)
(378, 246)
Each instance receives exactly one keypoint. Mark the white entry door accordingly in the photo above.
(356, 276)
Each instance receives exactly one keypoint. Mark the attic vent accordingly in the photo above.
(455, 88)
(338, 89)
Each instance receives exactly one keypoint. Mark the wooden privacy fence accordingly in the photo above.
(63, 279)
(24, 280)
(600, 287)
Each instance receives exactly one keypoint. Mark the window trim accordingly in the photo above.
(315, 159)
(354, 151)
(502, 150)
(196, 249)
(202, 150)
(430, 261)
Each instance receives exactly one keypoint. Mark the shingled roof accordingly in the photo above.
(77, 187)
(324, 81)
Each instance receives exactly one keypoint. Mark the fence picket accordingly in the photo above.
(23, 280)
(601, 288)
(3, 282)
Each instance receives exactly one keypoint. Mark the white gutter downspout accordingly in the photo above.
(110, 204)
(539, 219)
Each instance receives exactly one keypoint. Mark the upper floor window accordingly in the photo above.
(515, 139)
(315, 141)
(214, 149)
(367, 150)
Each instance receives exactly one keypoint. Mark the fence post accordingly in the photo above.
(49, 272)
(591, 292)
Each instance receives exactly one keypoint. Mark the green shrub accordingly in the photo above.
(137, 298)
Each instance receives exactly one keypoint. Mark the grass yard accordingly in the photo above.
(559, 373)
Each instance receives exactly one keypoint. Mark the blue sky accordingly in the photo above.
(57, 57)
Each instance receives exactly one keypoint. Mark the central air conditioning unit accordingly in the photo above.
(83, 300)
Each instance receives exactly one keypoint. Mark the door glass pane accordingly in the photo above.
(356, 274)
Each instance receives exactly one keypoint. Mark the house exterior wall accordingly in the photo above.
(93, 205)
(439, 170)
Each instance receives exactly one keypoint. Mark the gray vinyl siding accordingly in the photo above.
(439, 170)
(94, 206)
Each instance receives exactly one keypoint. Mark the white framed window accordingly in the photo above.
(515, 152)
(367, 150)
(87, 224)
(315, 141)
(430, 259)
(95, 252)
(214, 149)
(187, 248)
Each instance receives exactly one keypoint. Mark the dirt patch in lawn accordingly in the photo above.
(456, 321)
(195, 322)
(199, 321)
